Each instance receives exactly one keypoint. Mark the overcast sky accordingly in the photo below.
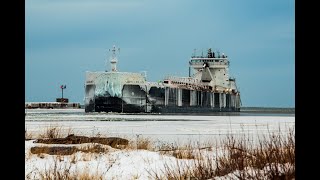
(66, 38)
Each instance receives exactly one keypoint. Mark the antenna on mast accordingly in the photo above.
(194, 52)
(218, 53)
(114, 59)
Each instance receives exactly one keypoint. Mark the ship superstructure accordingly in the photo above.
(207, 89)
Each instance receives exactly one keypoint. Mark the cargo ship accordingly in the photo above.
(208, 88)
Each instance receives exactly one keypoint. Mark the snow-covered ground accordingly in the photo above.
(116, 164)
(137, 164)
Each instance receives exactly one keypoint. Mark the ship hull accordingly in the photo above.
(121, 107)
(135, 99)
(112, 104)
(188, 109)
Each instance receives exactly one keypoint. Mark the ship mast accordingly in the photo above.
(113, 59)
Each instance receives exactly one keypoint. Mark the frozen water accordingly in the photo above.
(169, 128)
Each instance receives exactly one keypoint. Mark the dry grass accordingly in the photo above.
(87, 176)
(144, 143)
(272, 158)
(53, 150)
(68, 150)
(28, 155)
(141, 143)
(28, 135)
(178, 151)
(52, 132)
(94, 148)
(70, 131)
(62, 170)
